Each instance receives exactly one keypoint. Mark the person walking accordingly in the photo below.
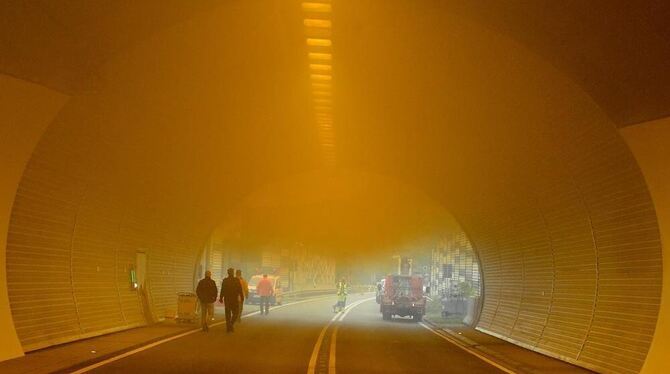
(341, 296)
(265, 290)
(245, 291)
(206, 292)
(231, 295)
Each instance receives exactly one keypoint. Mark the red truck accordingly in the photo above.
(403, 296)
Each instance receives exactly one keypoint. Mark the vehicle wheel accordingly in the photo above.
(386, 316)
(417, 317)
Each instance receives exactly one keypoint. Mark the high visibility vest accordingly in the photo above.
(341, 289)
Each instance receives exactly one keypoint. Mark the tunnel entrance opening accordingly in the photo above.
(555, 203)
(316, 228)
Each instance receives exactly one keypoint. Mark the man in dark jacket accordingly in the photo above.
(206, 292)
(232, 296)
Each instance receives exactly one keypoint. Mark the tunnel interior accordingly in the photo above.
(156, 126)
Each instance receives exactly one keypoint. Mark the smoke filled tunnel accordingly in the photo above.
(542, 128)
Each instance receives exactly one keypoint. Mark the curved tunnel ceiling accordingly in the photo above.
(615, 50)
(171, 124)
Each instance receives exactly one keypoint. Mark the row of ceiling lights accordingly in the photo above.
(318, 38)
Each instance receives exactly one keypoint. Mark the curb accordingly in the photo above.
(471, 345)
(106, 356)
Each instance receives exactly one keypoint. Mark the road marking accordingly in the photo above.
(470, 351)
(154, 344)
(315, 352)
(333, 347)
(311, 369)
(352, 306)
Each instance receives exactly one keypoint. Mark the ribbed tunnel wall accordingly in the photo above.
(537, 175)
(572, 267)
(571, 262)
(73, 238)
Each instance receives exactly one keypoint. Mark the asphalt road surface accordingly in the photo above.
(306, 337)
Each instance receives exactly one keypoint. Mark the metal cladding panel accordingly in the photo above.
(216, 264)
(94, 255)
(39, 252)
(572, 266)
(72, 242)
(161, 273)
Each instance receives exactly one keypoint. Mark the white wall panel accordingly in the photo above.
(74, 234)
(572, 265)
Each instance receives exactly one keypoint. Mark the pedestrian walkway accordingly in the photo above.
(79, 353)
(303, 317)
(516, 358)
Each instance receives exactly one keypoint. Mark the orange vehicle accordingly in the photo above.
(403, 296)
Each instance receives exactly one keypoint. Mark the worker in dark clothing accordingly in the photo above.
(232, 296)
(206, 292)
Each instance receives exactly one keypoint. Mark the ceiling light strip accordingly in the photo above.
(318, 28)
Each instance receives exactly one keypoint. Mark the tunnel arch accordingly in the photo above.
(99, 182)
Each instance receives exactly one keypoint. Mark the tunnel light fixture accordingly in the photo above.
(320, 56)
(321, 67)
(318, 29)
(321, 86)
(316, 7)
(321, 77)
(318, 23)
(317, 42)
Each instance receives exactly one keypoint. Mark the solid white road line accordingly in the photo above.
(154, 344)
(470, 351)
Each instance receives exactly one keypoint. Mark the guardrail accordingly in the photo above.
(308, 293)
(327, 291)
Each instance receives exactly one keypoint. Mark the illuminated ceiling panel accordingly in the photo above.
(318, 23)
(320, 56)
(321, 67)
(316, 7)
(321, 77)
(315, 42)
